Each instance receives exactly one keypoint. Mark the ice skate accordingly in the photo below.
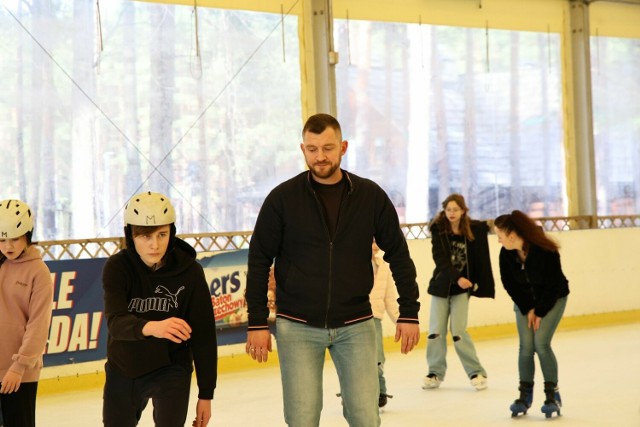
(479, 382)
(523, 403)
(382, 400)
(552, 401)
(431, 381)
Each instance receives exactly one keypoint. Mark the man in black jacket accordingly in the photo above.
(318, 228)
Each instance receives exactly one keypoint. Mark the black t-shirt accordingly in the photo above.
(331, 196)
(459, 260)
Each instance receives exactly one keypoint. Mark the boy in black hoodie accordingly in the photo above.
(160, 322)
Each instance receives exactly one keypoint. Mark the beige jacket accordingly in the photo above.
(26, 296)
(384, 295)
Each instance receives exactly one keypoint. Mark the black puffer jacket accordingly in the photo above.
(445, 275)
(320, 281)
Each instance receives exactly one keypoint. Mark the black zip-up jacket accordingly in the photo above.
(538, 283)
(134, 295)
(445, 275)
(319, 281)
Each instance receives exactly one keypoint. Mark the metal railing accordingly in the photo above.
(233, 240)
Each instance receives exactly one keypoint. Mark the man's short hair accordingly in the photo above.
(319, 122)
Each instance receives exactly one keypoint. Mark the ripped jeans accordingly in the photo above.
(453, 310)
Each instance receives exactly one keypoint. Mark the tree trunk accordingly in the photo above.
(133, 175)
(80, 184)
(162, 87)
(469, 173)
(443, 175)
(22, 165)
(516, 197)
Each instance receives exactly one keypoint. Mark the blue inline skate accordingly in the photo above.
(523, 403)
(552, 401)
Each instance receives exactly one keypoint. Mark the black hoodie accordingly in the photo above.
(134, 295)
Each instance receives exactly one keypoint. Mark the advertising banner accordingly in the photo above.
(226, 274)
(78, 330)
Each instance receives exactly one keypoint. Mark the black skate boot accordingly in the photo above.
(552, 402)
(523, 403)
(382, 400)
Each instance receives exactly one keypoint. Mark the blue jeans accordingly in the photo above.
(539, 342)
(380, 354)
(456, 308)
(302, 349)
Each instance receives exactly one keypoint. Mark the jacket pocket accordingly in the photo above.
(439, 285)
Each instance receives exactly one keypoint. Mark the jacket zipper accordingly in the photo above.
(446, 235)
(326, 228)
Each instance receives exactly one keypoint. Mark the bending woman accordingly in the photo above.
(532, 275)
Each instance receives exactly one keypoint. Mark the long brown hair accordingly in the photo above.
(526, 228)
(465, 221)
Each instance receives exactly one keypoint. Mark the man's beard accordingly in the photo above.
(326, 172)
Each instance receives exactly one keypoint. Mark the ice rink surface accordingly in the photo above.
(599, 382)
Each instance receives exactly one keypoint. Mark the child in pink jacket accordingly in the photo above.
(26, 295)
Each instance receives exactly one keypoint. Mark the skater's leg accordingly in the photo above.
(526, 366)
(353, 353)
(170, 396)
(461, 339)
(19, 407)
(437, 338)
(380, 356)
(301, 350)
(122, 404)
(542, 341)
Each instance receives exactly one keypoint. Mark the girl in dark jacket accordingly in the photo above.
(463, 268)
(532, 275)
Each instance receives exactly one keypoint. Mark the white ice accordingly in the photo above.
(599, 383)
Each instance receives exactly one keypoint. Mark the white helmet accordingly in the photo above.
(15, 219)
(149, 209)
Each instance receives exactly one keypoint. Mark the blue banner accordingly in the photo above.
(78, 330)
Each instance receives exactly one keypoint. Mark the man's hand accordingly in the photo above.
(10, 382)
(409, 333)
(173, 329)
(258, 344)
(203, 413)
